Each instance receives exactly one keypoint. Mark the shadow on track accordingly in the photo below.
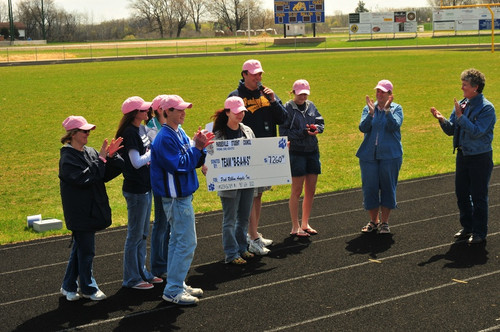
(461, 255)
(370, 243)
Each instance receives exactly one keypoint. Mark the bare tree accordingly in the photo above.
(181, 14)
(438, 3)
(4, 12)
(230, 13)
(30, 13)
(154, 12)
(262, 19)
(197, 9)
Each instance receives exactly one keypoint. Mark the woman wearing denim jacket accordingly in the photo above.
(380, 156)
(302, 126)
(236, 204)
(471, 123)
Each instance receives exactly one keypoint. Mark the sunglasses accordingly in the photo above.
(84, 131)
(143, 111)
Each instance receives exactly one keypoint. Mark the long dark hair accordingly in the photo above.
(220, 121)
(126, 121)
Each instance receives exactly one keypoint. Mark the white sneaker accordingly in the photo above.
(97, 296)
(70, 296)
(182, 298)
(267, 242)
(194, 291)
(257, 247)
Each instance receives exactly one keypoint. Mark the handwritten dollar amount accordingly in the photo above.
(276, 159)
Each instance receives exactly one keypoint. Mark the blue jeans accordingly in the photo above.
(379, 180)
(134, 255)
(472, 178)
(159, 239)
(80, 264)
(180, 215)
(235, 223)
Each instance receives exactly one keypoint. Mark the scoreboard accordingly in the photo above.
(290, 12)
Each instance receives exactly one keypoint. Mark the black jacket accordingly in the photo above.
(84, 199)
(262, 116)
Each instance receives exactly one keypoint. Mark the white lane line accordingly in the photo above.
(493, 328)
(337, 313)
(384, 301)
(341, 268)
(215, 213)
(219, 234)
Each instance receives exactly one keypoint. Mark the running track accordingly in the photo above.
(416, 279)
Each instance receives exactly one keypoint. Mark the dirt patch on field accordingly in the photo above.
(35, 57)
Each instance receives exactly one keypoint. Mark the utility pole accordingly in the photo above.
(11, 22)
(43, 23)
(248, 19)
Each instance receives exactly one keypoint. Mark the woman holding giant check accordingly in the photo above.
(236, 204)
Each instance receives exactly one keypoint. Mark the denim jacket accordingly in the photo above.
(473, 131)
(295, 129)
(382, 139)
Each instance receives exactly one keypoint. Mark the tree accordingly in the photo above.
(197, 9)
(153, 11)
(438, 3)
(4, 12)
(361, 7)
(180, 10)
(229, 13)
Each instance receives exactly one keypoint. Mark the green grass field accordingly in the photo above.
(36, 99)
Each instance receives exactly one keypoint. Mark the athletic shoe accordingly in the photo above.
(267, 242)
(156, 280)
(182, 298)
(143, 285)
(70, 296)
(97, 296)
(257, 247)
(193, 291)
(475, 239)
(462, 234)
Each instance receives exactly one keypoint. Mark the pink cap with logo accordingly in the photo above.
(156, 102)
(235, 104)
(174, 101)
(253, 66)
(384, 85)
(135, 103)
(301, 86)
(77, 122)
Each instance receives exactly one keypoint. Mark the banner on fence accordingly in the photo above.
(386, 22)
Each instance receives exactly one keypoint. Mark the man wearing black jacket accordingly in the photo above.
(265, 112)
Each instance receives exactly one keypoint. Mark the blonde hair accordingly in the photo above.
(68, 136)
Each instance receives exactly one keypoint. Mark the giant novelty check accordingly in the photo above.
(247, 163)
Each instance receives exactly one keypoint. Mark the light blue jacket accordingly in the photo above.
(382, 134)
(473, 131)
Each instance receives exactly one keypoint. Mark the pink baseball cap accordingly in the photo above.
(301, 86)
(156, 102)
(77, 122)
(135, 103)
(174, 101)
(253, 66)
(235, 104)
(384, 85)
